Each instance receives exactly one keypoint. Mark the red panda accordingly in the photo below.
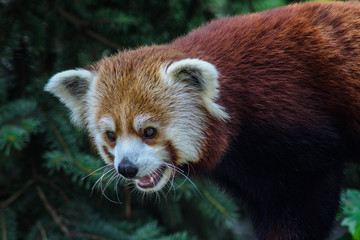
(267, 105)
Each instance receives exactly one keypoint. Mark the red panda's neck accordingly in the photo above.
(217, 139)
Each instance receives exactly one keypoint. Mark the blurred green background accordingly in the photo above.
(52, 185)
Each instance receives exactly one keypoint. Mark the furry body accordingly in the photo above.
(267, 105)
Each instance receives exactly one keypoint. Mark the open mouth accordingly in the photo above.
(155, 180)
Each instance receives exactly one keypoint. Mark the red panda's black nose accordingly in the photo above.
(127, 168)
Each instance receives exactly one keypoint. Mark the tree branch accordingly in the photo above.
(104, 41)
(80, 23)
(90, 236)
(57, 219)
(58, 135)
(216, 203)
(17, 194)
(127, 202)
(65, 146)
(54, 186)
(42, 231)
(3, 225)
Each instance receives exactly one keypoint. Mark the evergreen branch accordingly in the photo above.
(59, 137)
(52, 185)
(215, 203)
(82, 167)
(127, 202)
(90, 236)
(66, 147)
(17, 194)
(80, 23)
(52, 211)
(5, 33)
(3, 225)
(42, 231)
(170, 213)
(7, 30)
(251, 6)
(102, 40)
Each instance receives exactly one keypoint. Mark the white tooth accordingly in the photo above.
(137, 180)
(151, 179)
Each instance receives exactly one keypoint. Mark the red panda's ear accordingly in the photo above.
(202, 76)
(71, 87)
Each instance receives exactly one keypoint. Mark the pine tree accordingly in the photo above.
(52, 185)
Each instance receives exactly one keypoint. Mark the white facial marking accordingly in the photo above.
(146, 158)
(107, 124)
(140, 120)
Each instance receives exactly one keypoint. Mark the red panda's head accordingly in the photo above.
(146, 114)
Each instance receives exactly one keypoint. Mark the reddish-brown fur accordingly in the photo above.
(173, 156)
(317, 47)
(318, 51)
(290, 76)
(125, 95)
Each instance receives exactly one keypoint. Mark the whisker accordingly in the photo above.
(96, 170)
(174, 166)
(172, 186)
(109, 199)
(186, 176)
(176, 169)
(112, 177)
(116, 187)
(109, 175)
(102, 176)
(109, 180)
(180, 171)
(164, 195)
(106, 171)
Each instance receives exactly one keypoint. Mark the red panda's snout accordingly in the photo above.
(141, 154)
(148, 166)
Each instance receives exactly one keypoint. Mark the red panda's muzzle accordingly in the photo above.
(151, 180)
(156, 180)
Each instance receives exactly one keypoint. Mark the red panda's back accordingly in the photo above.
(309, 51)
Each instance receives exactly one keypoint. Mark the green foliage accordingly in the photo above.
(351, 212)
(216, 207)
(53, 186)
(8, 224)
(233, 7)
(17, 123)
(56, 186)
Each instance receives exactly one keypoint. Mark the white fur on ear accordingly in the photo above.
(71, 87)
(202, 75)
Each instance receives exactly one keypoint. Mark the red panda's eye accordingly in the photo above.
(149, 132)
(111, 136)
